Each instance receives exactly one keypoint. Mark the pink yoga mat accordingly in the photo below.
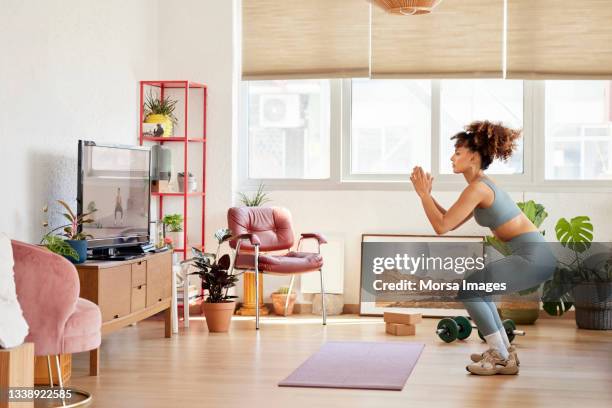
(353, 364)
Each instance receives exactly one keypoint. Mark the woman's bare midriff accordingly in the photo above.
(514, 227)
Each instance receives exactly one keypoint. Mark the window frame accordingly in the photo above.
(531, 180)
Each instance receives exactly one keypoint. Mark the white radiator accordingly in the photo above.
(333, 269)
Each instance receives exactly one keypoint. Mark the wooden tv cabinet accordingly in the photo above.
(127, 292)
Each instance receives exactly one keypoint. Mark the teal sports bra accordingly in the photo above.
(502, 210)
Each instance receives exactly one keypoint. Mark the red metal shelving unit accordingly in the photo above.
(186, 140)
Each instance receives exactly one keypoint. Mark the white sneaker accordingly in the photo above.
(492, 363)
(512, 350)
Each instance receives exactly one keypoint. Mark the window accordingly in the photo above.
(390, 126)
(463, 101)
(289, 129)
(352, 133)
(578, 130)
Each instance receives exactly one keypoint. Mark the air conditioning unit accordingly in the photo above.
(280, 111)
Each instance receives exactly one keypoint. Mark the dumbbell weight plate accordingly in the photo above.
(465, 327)
(510, 327)
(450, 330)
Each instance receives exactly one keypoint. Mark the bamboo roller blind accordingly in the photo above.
(559, 39)
(460, 39)
(305, 38)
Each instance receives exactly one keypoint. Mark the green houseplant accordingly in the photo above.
(279, 299)
(523, 307)
(72, 234)
(218, 306)
(174, 229)
(584, 281)
(258, 199)
(160, 111)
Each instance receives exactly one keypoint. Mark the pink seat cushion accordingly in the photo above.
(82, 331)
(292, 262)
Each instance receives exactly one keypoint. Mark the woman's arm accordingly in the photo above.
(470, 215)
(438, 206)
(456, 215)
(443, 211)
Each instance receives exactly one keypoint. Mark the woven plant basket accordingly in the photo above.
(593, 303)
(408, 7)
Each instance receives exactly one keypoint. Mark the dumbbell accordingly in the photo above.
(453, 328)
(510, 328)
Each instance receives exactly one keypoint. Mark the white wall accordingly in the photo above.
(196, 44)
(70, 70)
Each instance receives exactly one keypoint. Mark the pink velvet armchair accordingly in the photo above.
(264, 229)
(48, 292)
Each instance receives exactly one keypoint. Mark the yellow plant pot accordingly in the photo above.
(164, 120)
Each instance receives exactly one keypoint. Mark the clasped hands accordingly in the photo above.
(421, 181)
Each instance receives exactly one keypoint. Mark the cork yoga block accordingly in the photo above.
(402, 318)
(400, 329)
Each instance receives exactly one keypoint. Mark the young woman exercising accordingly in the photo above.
(531, 261)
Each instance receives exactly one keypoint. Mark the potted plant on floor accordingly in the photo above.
(218, 307)
(160, 111)
(74, 246)
(174, 229)
(279, 299)
(524, 306)
(585, 281)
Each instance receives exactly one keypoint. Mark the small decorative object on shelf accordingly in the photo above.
(159, 118)
(73, 245)
(161, 165)
(192, 185)
(174, 226)
(161, 98)
(157, 234)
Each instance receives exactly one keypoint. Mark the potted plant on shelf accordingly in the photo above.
(174, 229)
(74, 238)
(524, 306)
(585, 281)
(160, 111)
(257, 200)
(218, 307)
(279, 299)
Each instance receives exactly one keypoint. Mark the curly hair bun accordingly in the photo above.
(495, 139)
(491, 139)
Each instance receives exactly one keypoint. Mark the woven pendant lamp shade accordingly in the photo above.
(407, 7)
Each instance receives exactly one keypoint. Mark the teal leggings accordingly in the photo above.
(531, 263)
(484, 314)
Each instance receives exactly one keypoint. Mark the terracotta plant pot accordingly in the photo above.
(278, 301)
(218, 315)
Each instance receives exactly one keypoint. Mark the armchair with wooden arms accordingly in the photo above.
(258, 230)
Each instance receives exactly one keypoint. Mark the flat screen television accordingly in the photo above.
(114, 183)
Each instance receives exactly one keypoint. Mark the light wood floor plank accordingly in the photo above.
(561, 366)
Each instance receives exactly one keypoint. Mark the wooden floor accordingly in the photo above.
(561, 366)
